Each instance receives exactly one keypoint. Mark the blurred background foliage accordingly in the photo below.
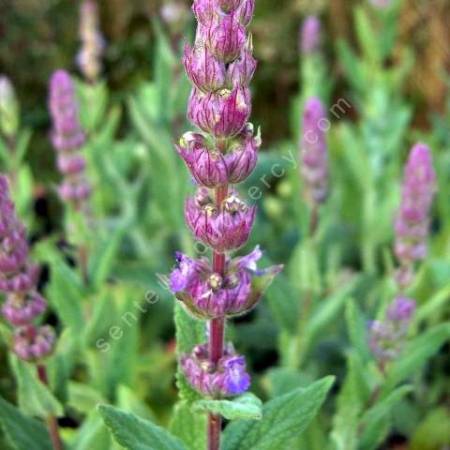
(140, 184)
(36, 37)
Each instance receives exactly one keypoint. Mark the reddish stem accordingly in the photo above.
(52, 423)
(216, 336)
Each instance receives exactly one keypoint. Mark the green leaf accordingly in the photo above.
(133, 433)
(328, 309)
(189, 333)
(283, 418)
(283, 303)
(104, 255)
(247, 407)
(24, 433)
(371, 420)
(357, 330)
(92, 434)
(416, 354)
(353, 396)
(35, 398)
(189, 427)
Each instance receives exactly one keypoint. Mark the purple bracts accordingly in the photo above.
(223, 229)
(18, 280)
(208, 295)
(310, 35)
(225, 379)
(68, 138)
(314, 152)
(413, 221)
(388, 337)
(33, 343)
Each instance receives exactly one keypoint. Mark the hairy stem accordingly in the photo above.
(216, 336)
(52, 423)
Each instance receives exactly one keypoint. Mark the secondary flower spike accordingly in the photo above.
(387, 337)
(92, 42)
(68, 138)
(18, 279)
(314, 152)
(413, 217)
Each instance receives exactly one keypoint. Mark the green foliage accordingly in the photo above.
(34, 397)
(245, 407)
(188, 426)
(22, 432)
(283, 418)
(133, 433)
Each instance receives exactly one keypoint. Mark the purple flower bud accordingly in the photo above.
(204, 11)
(387, 338)
(205, 71)
(21, 281)
(225, 38)
(207, 295)
(222, 114)
(75, 192)
(207, 166)
(310, 35)
(242, 155)
(21, 309)
(71, 163)
(225, 379)
(223, 229)
(67, 133)
(245, 12)
(314, 151)
(402, 309)
(240, 72)
(31, 343)
(412, 221)
(210, 167)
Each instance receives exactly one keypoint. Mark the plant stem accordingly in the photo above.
(52, 423)
(216, 336)
(314, 221)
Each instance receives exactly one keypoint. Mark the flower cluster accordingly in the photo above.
(387, 337)
(208, 295)
(313, 152)
(310, 35)
(68, 138)
(413, 221)
(18, 280)
(223, 152)
(226, 378)
(93, 44)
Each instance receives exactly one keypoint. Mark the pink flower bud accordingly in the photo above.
(71, 164)
(31, 343)
(225, 38)
(223, 229)
(20, 309)
(222, 114)
(225, 379)
(310, 35)
(240, 72)
(205, 71)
